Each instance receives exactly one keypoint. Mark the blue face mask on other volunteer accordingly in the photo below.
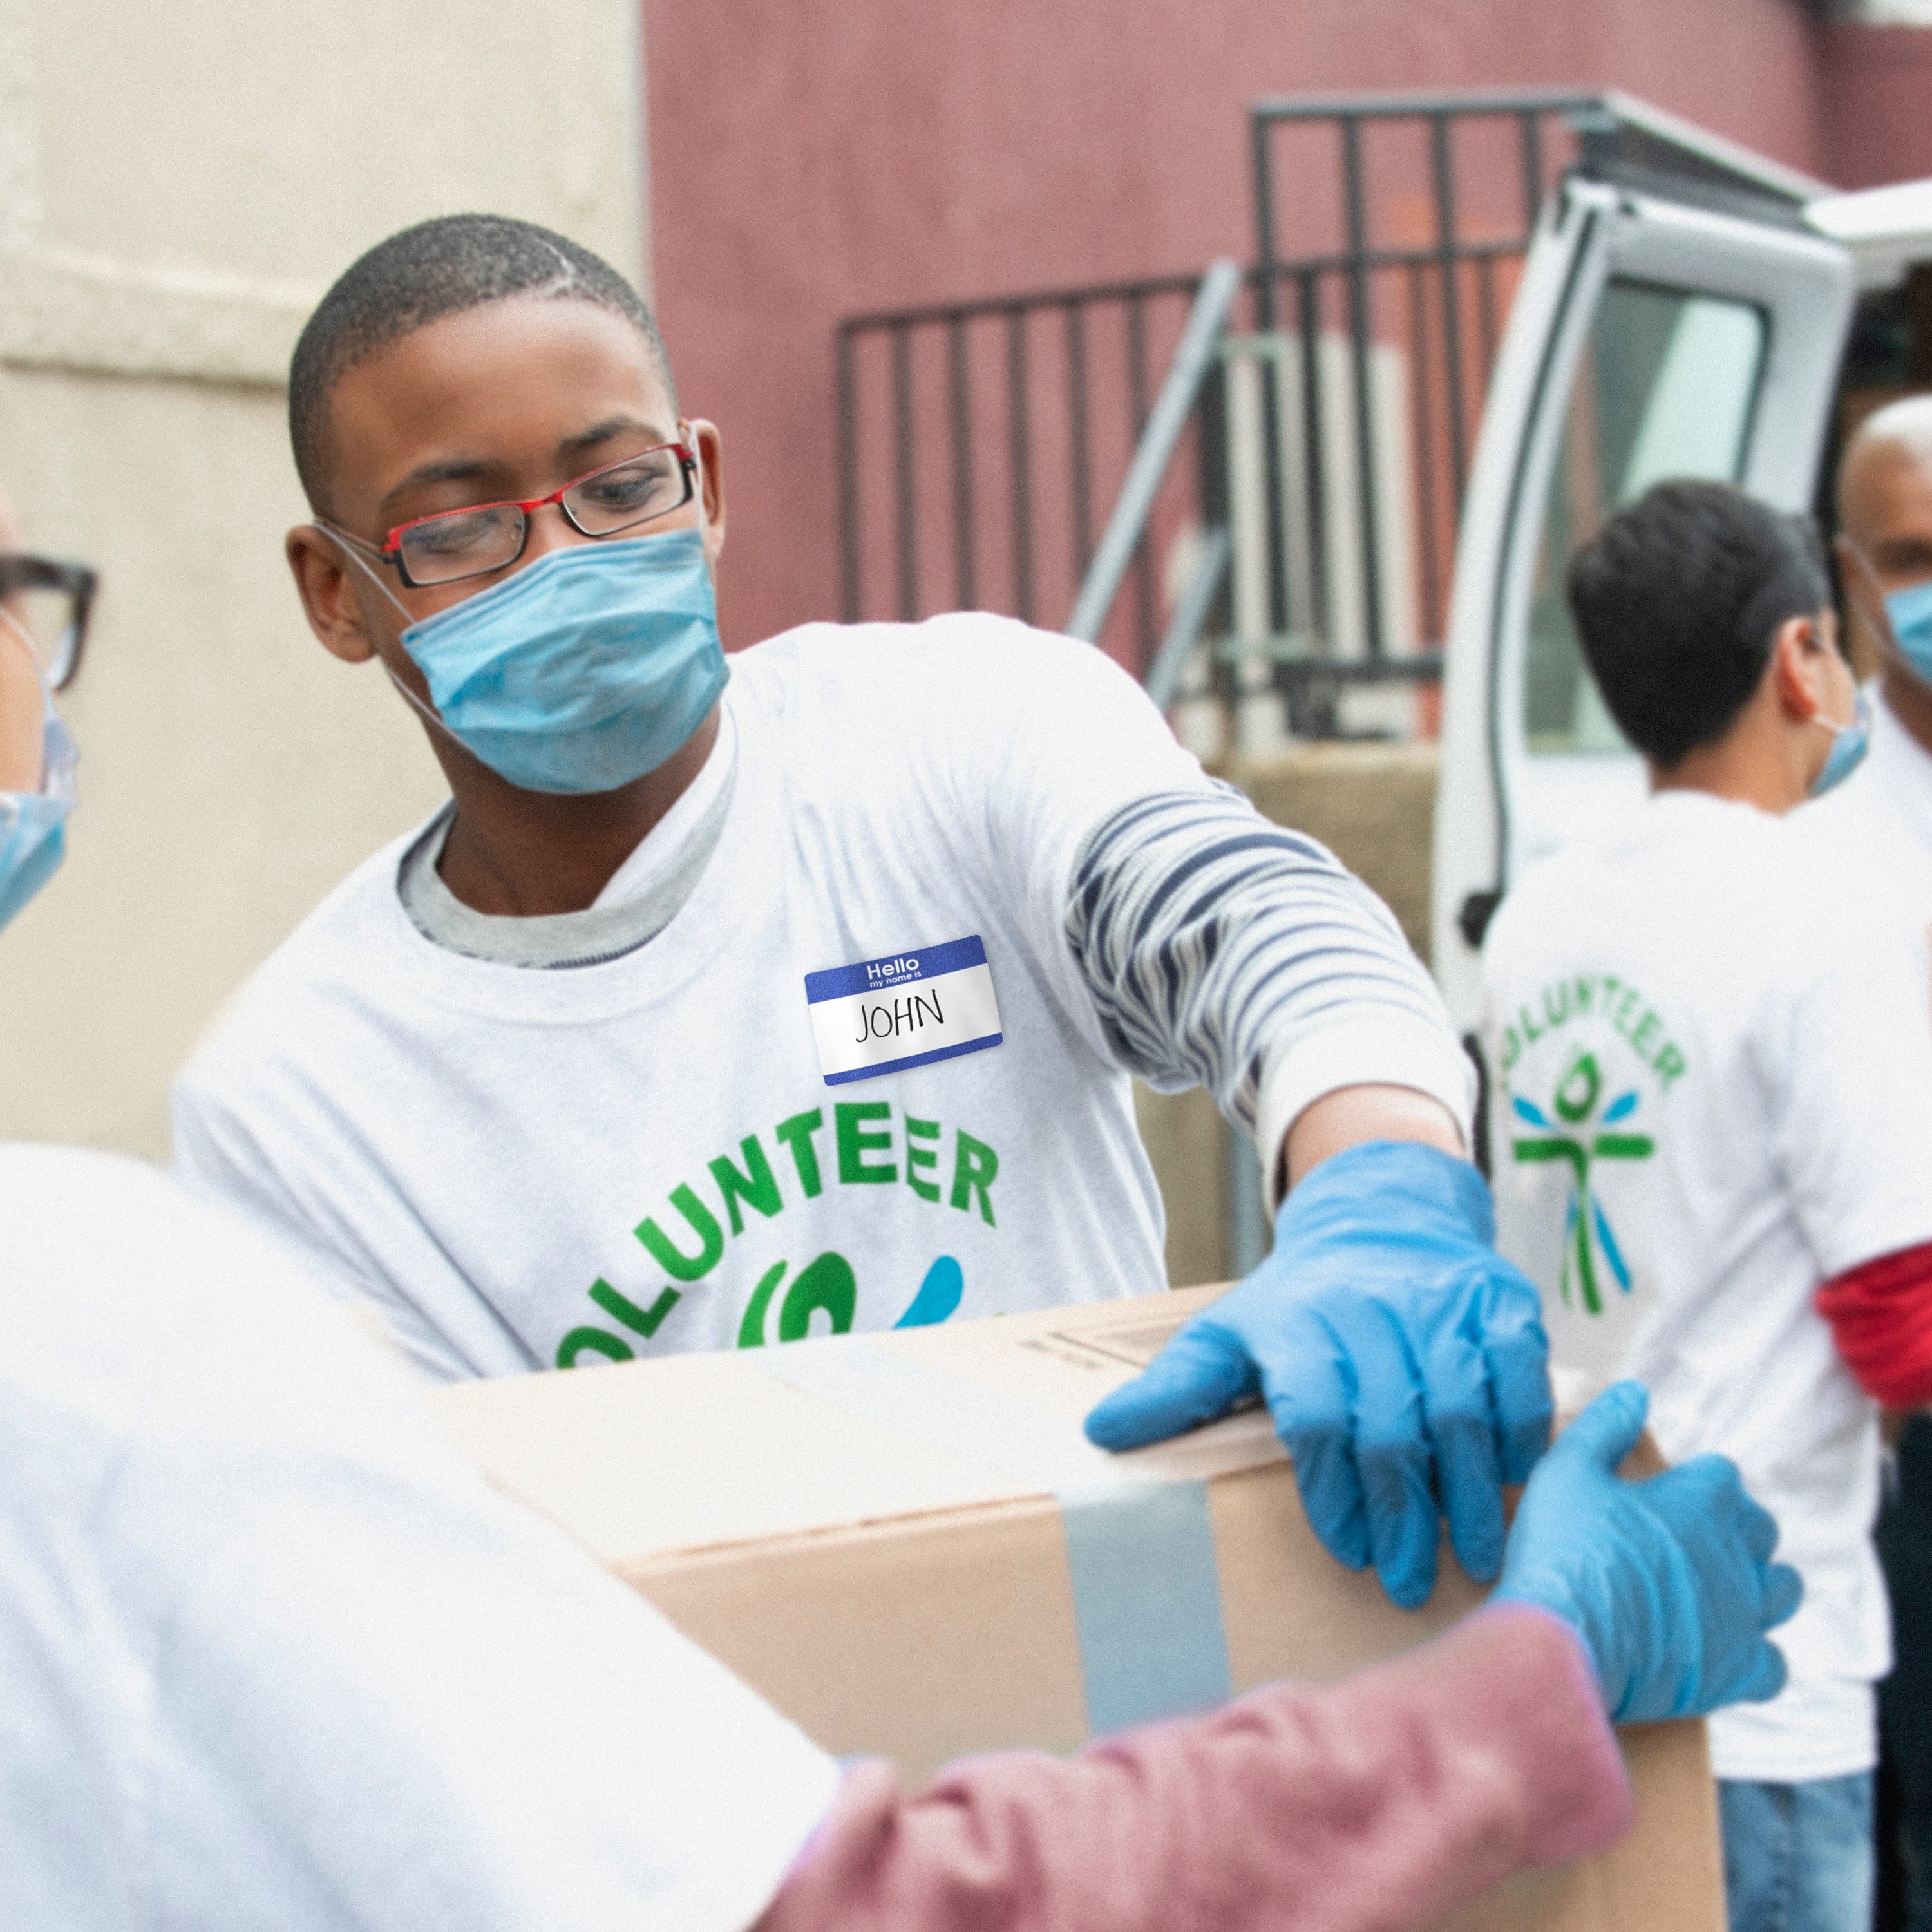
(1798, 587)
(33, 825)
(581, 673)
(1849, 743)
(1909, 612)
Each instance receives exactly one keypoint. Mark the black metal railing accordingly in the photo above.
(981, 443)
(1004, 426)
(1431, 279)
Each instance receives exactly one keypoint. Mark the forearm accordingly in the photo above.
(1350, 1115)
(1388, 1798)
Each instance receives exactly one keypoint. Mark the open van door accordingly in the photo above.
(1650, 337)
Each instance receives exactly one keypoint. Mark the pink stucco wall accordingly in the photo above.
(812, 157)
(1875, 88)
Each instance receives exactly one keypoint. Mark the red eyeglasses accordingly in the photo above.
(483, 537)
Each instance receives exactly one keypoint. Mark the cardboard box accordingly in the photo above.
(904, 1542)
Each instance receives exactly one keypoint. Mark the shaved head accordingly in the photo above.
(1907, 421)
(448, 266)
(1895, 439)
(1885, 545)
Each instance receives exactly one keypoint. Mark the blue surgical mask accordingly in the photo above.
(582, 672)
(33, 824)
(1910, 612)
(1849, 744)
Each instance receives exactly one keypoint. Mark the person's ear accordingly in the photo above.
(1799, 654)
(704, 438)
(328, 599)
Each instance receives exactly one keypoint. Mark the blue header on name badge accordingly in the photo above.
(894, 969)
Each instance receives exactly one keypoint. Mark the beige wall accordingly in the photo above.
(177, 183)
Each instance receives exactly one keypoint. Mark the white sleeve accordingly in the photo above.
(218, 1159)
(1040, 737)
(383, 1694)
(1198, 943)
(1852, 1079)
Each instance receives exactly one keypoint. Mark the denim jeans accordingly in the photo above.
(1905, 1697)
(1798, 1858)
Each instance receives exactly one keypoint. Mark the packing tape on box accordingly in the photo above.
(1147, 1590)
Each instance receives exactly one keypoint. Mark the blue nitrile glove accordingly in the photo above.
(1402, 1358)
(1668, 1582)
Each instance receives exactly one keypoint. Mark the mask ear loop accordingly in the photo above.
(1817, 716)
(429, 717)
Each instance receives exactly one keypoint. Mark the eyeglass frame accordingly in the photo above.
(26, 570)
(390, 550)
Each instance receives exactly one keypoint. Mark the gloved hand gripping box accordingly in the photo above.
(905, 1542)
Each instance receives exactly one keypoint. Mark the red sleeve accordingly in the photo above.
(1389, 1798)
(1881, 1317)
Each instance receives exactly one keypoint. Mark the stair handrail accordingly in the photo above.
(1193, 357)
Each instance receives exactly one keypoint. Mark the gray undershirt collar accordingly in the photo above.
(556, 941)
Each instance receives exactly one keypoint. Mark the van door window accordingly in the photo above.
(1665, 388)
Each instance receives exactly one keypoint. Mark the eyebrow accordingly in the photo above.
(448, 470)
(475, 469)
(602, 433)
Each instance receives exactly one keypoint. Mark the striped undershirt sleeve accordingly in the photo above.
(1226, 952)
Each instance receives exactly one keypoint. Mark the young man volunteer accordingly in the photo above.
(1713, 1160)
(1883, 816)
(723, 1005)
(275, 1655)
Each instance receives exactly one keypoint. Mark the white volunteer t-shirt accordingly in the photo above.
(658, 850)
(1882, 814)
(275, 1655)
(525, 1168)
(1700, 1119)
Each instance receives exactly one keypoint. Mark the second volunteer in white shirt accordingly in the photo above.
(730, 1004)
(1700, 1125)
(1883, 816)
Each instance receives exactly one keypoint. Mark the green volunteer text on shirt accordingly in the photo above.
(856, 1149)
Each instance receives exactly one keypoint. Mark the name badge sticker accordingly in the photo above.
(907, 1009)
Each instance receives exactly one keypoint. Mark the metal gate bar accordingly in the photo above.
(982, 415)
(1438, 115)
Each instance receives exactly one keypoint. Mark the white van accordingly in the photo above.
(1697, 325)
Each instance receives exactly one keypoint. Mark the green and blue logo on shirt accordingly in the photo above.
(1580, 1124)
(1577, 1136)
